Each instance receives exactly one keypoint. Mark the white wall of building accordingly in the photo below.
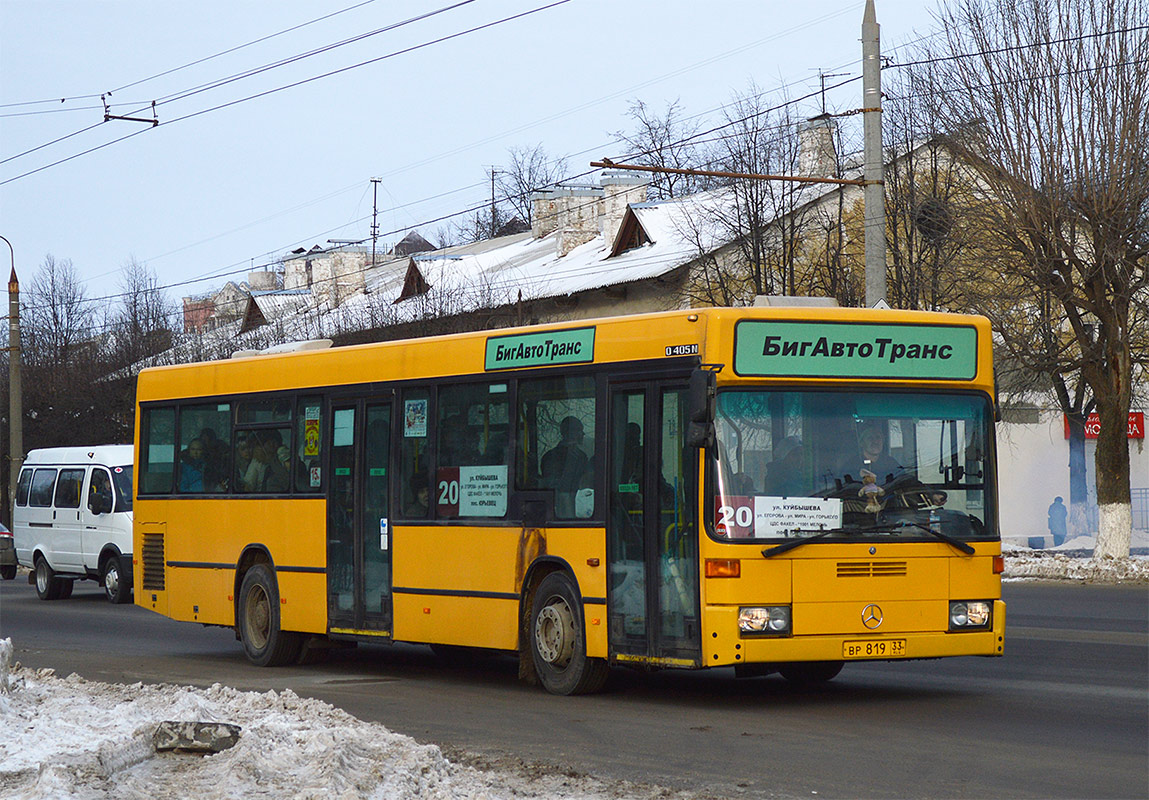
(1033, 468)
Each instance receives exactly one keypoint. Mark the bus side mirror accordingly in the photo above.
(701, 398)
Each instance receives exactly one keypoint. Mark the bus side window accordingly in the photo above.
(23, 485)
(157, 451)
(43, 483)
(414, 464)
(68, 488)
(308, 414)
(559, 413)
(471, 476)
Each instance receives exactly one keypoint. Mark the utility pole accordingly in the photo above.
(494, 211)
(374, 217)
(15, 389)
(874, 191)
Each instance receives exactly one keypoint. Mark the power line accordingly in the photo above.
(190, 63)
(295, 84)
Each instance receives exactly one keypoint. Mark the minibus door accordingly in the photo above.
(652, 543)
(358, 519)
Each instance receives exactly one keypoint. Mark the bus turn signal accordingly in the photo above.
(723, 568)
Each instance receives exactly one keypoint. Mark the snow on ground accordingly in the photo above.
(78, 739)
(1073, 561)
(69, 737)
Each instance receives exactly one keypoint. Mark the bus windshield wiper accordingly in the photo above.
(820, 533)
(960, 545)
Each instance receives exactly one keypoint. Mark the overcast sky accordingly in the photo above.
(211, 193)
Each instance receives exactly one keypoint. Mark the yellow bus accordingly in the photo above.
(773, 489)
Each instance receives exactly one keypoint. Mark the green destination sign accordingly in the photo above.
(855, 350)
(575, 346)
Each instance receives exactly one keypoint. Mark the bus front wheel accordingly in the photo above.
(558, 646)
(810, 673)
(264, 643)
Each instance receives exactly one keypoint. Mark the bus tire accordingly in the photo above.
(264, 643)
(48, 586)
(810, 673)
(558, 643)
(8, 572)
(115, 587)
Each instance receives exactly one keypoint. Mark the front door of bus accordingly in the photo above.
(652, 540)
(358, 521)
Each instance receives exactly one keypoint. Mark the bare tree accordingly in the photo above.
(664, 141)
(528, 169)
(1053, 100)
(934, 253)
(58, 318)
(65, 356)
(762, 222)
(144, 318)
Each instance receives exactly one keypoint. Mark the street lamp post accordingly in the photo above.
(15, 390)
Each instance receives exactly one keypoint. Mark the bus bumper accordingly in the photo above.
(724, 645)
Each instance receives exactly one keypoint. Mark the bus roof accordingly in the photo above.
(706, 333)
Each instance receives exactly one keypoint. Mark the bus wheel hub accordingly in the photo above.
(554, 634)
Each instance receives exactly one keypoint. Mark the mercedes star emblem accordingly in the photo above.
(872, 616)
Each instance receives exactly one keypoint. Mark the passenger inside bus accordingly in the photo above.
(420, 497)
(563, 466)
(785, 476)
(192, 467)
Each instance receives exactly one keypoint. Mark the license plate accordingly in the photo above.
(874, 648)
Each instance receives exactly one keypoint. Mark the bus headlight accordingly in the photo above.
(969, 615)
(764, 620)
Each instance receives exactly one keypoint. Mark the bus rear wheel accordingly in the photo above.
(810, 673)
(264, 643)
(558, 645)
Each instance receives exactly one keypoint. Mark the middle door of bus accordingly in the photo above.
(358, 518)
(652, 538)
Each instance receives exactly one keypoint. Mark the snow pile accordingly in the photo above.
(1072, 561)
(69, 737)
(1052, 565)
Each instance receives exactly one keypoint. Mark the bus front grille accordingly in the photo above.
(153, 559)
(871, 569)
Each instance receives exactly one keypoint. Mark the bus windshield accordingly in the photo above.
(852, 463)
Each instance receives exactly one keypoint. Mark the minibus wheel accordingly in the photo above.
(558, 646)
(115, 587)
(8, 572)
(264, 643)
(48, 586)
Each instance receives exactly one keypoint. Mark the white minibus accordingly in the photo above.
(73, 519)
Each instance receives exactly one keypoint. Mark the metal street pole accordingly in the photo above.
(874, 191)
(374, 216)
(15, 389)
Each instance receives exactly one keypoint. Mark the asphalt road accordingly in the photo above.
(1065, 714)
